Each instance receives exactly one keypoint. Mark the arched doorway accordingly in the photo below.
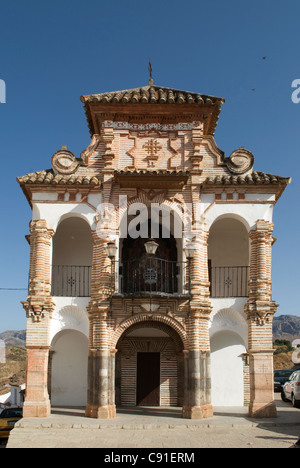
(69, 361)
(149, 366)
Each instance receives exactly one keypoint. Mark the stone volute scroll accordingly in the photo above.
(240, 161)
(64, 161)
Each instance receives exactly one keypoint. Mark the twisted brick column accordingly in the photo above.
(101, 373)
(260, 310)
(197, 396)
(39, 306)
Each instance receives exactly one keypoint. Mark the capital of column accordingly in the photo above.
(38, 308)
(99, 307)
(39, 303)
(40, 228)
(260, 312)
(263, 230)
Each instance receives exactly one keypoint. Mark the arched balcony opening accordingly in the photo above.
(228, 253)
(144, 273)
(72, 258)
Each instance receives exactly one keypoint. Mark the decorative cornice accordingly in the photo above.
(140, 100)
(151, 179)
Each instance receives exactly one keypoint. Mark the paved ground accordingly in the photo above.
(158, 428)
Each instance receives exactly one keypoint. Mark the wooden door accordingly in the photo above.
(148, 379)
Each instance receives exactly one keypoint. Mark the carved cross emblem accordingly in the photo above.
(152, 147)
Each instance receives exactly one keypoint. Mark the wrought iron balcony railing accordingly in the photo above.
(229, 281)
(150, 275)
(71, 280)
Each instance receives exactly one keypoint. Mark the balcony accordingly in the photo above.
(229, 281)
(71, 280)
(150, 275)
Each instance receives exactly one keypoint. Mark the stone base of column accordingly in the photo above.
(262, 410)
(37, 402)
(262, 404)
(100, 412)
(36, 409)
(197, 412)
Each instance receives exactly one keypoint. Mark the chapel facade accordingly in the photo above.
(150, 264)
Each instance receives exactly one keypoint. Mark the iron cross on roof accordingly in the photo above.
(151, 82)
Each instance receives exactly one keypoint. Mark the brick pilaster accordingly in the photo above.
(39, 306)
(101, 385)
(260, 310)
(197, 400)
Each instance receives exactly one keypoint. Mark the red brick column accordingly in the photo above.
(197, 397)
(260, 310)
(39, 306)
(101, 382)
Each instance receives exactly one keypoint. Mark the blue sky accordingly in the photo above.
(53, 52)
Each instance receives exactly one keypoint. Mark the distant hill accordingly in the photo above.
(286, 327)
(14, 338)
(13, 371)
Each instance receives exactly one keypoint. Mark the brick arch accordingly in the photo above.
(164, 323)
(238, 217)
(175, 205)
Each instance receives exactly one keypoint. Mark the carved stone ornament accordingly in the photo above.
(240, 161)
(64, 161)
(37, 309)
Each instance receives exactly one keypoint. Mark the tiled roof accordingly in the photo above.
(253, 178)
(47, 177)
(152, 95)
(155, 95)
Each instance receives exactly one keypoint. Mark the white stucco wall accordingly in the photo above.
(54, 212)
(228, 338)
(227, 348)
(257, 206)
(72, 243)
(69, 314)
(69, 369)
(228, 243)
(69, 331)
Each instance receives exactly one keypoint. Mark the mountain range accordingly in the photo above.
(286, 327)
(14, 338)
